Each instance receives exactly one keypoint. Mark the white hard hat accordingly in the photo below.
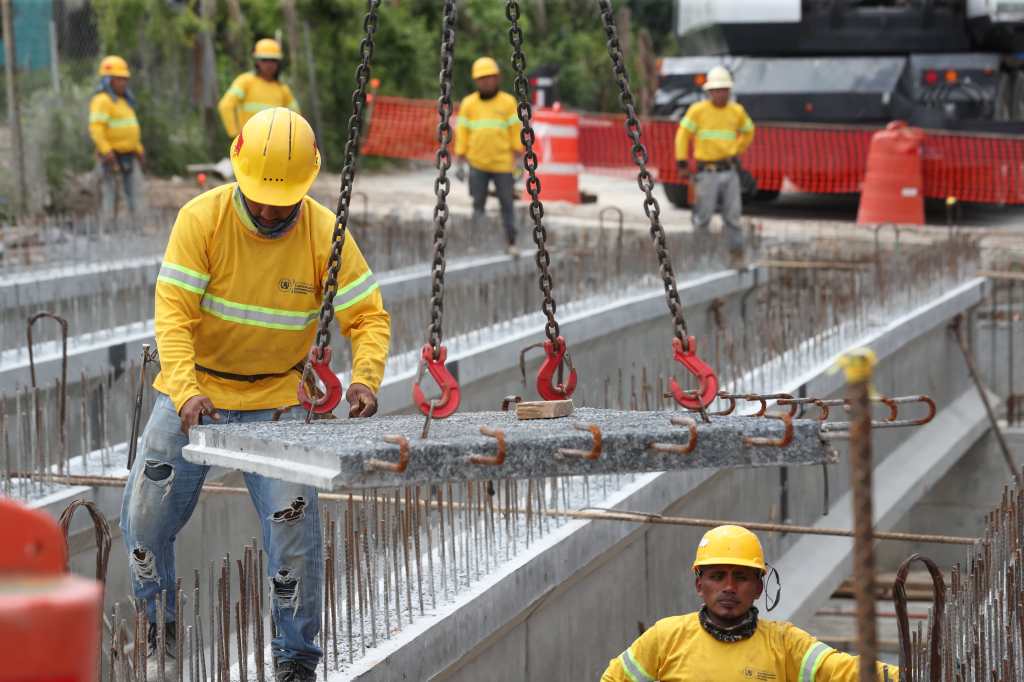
(718, 78)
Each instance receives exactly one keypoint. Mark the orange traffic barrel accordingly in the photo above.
(49, 619)
(893, 189)
(557, 145)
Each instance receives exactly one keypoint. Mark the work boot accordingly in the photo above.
(293, 671)
(170, 640)
(737, 260)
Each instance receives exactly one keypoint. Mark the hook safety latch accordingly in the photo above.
(318, 371)
(698, 368)
(546, 385)
(444, 406)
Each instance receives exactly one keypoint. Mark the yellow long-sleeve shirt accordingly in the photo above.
(678, 649)
(721, 132)
(248, 95)
(487, 132)
(113, 125)
(234, 301)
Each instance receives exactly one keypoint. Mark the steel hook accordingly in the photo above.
(787, 434)
(318, 363)
(547, 387)
(491, 460)
(444, 406)
(403, 456)
(593, 453)
(687, 357)
(672, 448)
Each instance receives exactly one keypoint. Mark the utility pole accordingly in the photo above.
(13, 115)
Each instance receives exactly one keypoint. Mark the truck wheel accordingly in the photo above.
(676, 194)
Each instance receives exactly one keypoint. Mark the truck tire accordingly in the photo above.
(676, 194)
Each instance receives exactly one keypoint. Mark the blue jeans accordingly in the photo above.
(160, 496)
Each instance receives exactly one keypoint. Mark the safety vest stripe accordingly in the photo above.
(688, 124)
(187, 279)
(256, 107)
(257, 316)
(747, 127)
(98, 117)
(635, 671)
(123, 122)
(355, 292)
(716, 135)
(484, 123)
(237, 92)
(812, 660)
(512, 120)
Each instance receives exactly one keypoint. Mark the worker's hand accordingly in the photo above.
(361, 401)
(142, 158)
(460, 170)
(108, 158)
(194, 409)
(683, 168)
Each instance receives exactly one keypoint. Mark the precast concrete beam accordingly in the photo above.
(39, 288)
(354, 453)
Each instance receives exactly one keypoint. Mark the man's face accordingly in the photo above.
(719, 96)
(267, 215)
(488, 85)
(268, 68)
(119, 84)
(729, 591)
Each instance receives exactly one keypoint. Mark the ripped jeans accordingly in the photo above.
(162, 493)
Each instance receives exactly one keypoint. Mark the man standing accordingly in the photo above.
(487, 136)
(723, 131)
(114, 130)
(237, 302)
(725, 641)
(256, 90)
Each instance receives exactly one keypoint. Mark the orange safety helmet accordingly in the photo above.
(275, 157)
(112, 65)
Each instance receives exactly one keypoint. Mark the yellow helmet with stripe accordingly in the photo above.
(113, 65)
(275, 157)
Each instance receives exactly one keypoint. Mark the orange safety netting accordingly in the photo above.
(813, 158)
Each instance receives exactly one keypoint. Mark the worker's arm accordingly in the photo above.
(745, 133)
(359, 308)
(184, 275)
(99, 119)
(229, 105)
(289, 99)
(462, 131)
(684, 133)
(639, 663)
(515, 129)
(816, 661)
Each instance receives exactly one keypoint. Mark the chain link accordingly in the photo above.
(644, 179)
(348, 172)
(525, 112)
(442, 185)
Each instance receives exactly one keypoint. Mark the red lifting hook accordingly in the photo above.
(446, 405)
(698, 368)
(320, 403)
(545, 375)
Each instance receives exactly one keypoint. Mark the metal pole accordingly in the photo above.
(13, 113)
(858, 367)
(54, 58)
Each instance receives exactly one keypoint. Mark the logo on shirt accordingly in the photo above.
(763, 675)
(289, 285)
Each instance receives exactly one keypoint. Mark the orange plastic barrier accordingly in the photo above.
(825, 159)
(558, 156)
(893, 190)
(49, 620)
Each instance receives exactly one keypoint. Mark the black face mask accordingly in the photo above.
(278, 228)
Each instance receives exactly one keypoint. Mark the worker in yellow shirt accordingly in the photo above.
(726, 641)
(487, 137)
(115, 132)
(722, 130)
(256, 90)
(237, 302)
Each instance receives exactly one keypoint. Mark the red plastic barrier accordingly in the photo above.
(893, 185)
(814, 158)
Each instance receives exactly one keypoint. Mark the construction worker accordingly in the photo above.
(726, 641)
(723, 131)
(256, 90)
(115, 131)
(487, 136)
(237, 302)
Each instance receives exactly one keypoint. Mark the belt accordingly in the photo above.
(297, 367)
(716, 166)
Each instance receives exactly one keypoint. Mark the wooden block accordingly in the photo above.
(544, 409)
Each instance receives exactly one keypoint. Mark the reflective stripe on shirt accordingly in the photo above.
(689, 125)
(123, 122)
(493, 123)
(812, 661)
(716, 135)
(257, 316)
(237, 92)
(635, 671)
(352, 293)
(183, 277)
(98, 117)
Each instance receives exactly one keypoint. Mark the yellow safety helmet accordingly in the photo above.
(485, 66)
(267, 48)
(275, 157)
(113, 65)
(731, 546)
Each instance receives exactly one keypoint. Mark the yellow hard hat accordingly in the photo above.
(267, 48)
(731, 546)
(275, 157)
(113, 65)
(718, 79)
(485, 66)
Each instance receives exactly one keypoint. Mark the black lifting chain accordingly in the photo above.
(442, 185)
(348, 173)
(525, 111)
(644, 179)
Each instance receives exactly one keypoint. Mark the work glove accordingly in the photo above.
(460, 171)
